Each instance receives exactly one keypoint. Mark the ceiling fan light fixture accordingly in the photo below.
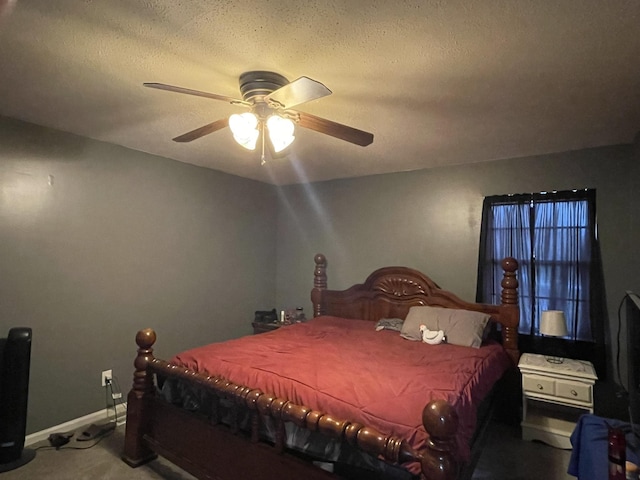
(271, 99)
(245, 129)
(280, 132)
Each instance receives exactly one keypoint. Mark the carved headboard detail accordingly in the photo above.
(398, 286)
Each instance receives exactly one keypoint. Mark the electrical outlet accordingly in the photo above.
(106, 375)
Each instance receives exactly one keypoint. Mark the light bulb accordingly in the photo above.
(280, 132)
(244, 129)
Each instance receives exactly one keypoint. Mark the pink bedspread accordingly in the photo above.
(349, 370)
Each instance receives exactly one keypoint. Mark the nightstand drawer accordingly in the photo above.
(535, 384)
(574, 391)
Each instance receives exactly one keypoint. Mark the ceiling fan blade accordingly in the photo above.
(328, 127)
(301, 90)
(202, 131)
(197, 93)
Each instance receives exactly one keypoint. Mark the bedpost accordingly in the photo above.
(510, 305)
(135, 451)
(319, 284)
(440, 421)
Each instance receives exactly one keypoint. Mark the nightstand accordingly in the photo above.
(554, 395)
(260, 327)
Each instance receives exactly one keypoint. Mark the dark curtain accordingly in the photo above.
(554, 238)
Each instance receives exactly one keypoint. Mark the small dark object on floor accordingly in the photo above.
(94, 431)
(59, 439)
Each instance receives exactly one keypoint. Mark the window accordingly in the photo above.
(553, 236)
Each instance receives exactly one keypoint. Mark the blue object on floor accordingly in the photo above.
(590, 441)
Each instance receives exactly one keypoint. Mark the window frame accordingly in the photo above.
(578, 344)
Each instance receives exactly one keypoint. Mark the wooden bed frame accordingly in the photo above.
(209, 449)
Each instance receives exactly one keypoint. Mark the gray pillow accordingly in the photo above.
(461, 327)
(389, 324)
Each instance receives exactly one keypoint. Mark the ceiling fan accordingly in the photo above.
(270, 98)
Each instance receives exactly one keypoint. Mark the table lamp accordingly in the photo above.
(553, 324)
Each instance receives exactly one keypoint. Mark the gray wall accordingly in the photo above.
(99, 241)
(430, 220)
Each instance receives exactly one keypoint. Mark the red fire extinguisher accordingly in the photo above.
(617, 454)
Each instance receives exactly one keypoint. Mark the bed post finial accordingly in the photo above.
(509, 281)
(510, 302)
(440, 420)
(135, 451)
(319, 284)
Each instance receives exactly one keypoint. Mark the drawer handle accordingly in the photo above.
(574, 393)
(540, 387)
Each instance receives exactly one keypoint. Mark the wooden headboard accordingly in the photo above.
(389, 292)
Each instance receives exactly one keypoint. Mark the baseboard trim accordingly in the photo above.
(95, 417)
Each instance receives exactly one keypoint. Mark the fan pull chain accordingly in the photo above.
(262, 158)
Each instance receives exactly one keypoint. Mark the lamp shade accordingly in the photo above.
(553, 323)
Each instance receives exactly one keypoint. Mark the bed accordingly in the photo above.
(343, 380)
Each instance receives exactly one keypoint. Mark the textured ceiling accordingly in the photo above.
(437, 82)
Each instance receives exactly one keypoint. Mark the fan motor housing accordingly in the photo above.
(260, 83)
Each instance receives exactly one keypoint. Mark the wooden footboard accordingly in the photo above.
(208, 449)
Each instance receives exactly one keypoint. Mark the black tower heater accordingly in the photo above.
(15, 355)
